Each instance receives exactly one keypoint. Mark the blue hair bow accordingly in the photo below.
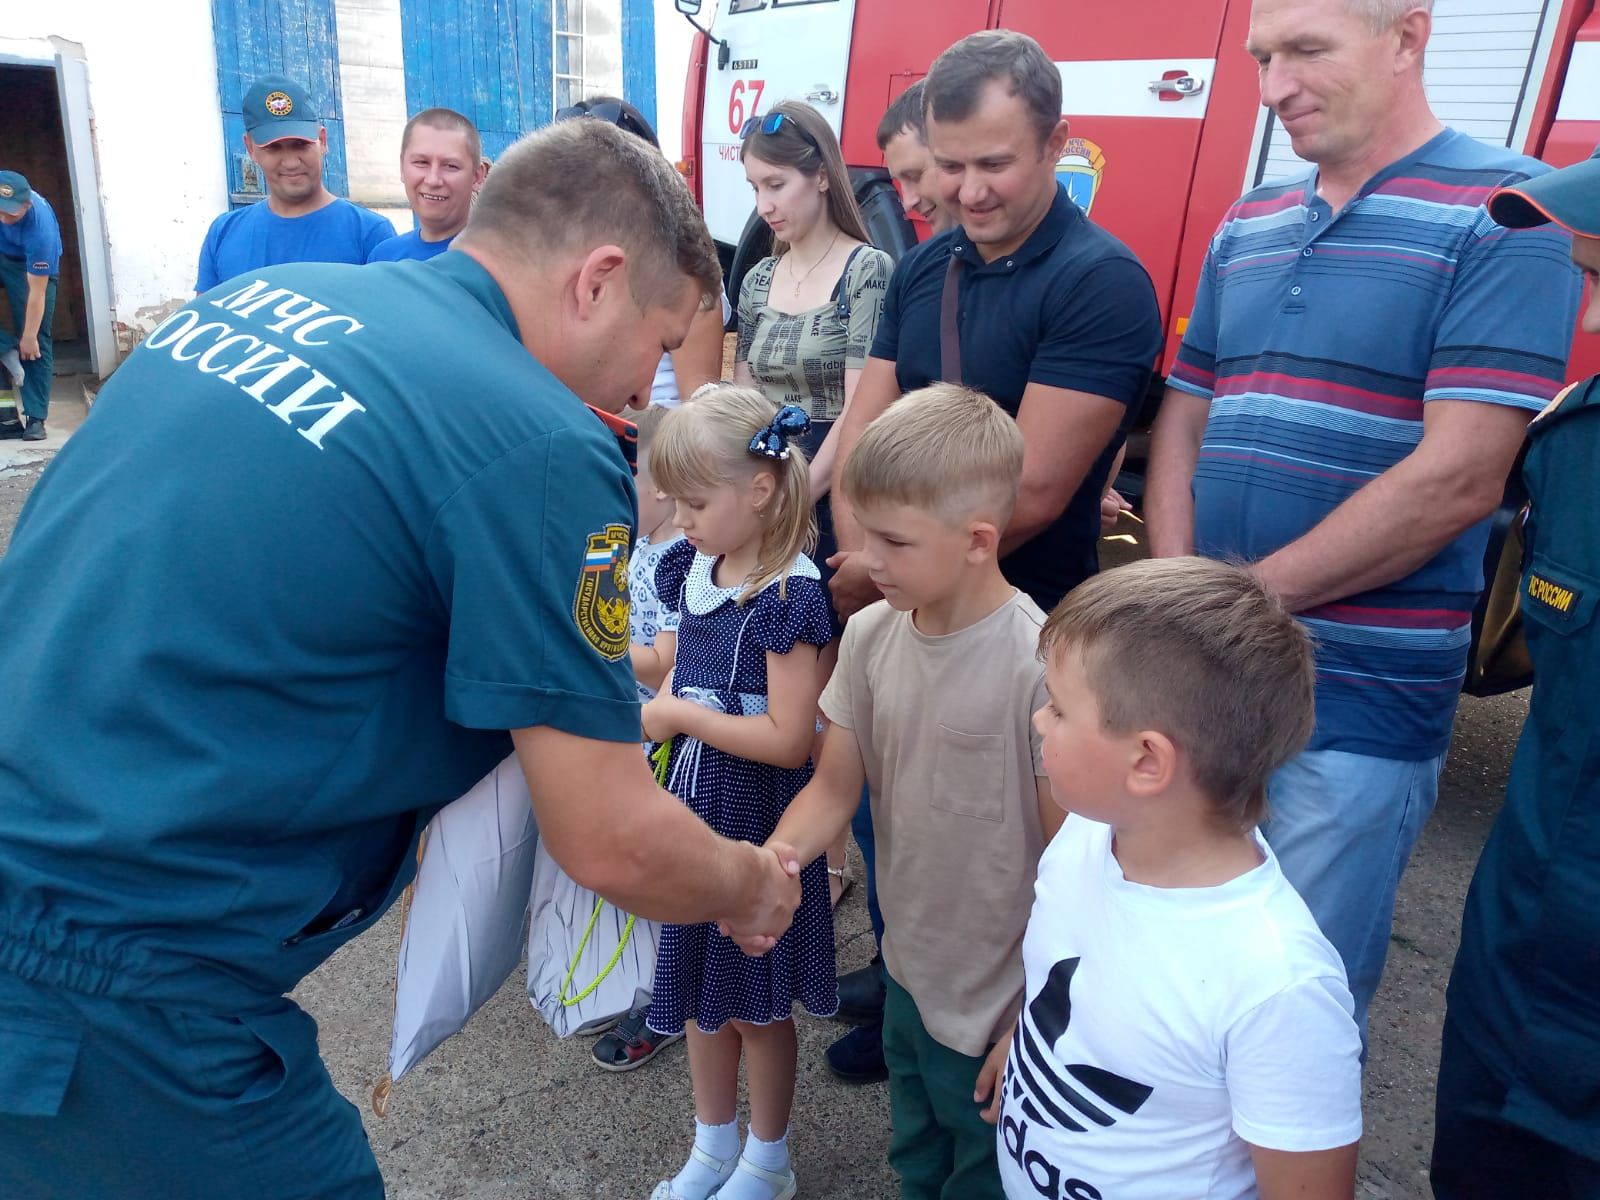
(773, 440)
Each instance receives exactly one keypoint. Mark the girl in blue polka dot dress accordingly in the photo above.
(744, 614)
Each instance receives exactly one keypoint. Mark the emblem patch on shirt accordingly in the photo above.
(279, 104)
(1080, 167)
(601, 605)
(1550, 594)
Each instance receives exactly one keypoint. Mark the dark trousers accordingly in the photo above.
(36, 373)
(107, 1097)
(940, 1145)
(861, 826)
(1479, 1155)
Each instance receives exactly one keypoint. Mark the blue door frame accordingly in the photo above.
(297, 38)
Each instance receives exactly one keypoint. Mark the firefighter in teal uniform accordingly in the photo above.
(299, 592)
(1519, 1076)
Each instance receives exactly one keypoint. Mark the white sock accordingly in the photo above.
(697, 1181)
(770, 1156)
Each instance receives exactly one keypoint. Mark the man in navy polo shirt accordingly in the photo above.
(1057, 321)
(30, 260)
(1366, 348)
(300, 220)
(297, 598)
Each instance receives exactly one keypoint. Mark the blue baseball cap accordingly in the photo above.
(15, 194)
(1570, 197)
(277, 107)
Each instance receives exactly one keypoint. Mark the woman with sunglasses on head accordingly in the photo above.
(699, 360)
(808, 312)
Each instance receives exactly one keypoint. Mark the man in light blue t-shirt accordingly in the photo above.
(300, 220)
(442, 166)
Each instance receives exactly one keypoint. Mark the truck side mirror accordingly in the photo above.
(688, 8)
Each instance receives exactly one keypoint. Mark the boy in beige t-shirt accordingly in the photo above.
(931, 704)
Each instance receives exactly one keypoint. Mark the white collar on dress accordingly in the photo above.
(702, 595)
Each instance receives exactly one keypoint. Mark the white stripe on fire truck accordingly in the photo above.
(1580, 96)
(1121, 87)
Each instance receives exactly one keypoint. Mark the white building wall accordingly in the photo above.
(372, 96)
(157, 133)
(674, 37)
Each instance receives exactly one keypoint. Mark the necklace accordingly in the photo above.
(799, 282)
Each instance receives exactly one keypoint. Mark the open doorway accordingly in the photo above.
(36, 146)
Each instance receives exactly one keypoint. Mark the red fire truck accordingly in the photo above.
(1166, 122)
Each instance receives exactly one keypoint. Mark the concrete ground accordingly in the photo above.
(505, 1109)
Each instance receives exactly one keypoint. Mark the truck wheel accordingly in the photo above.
(755, 243)
(887, 225)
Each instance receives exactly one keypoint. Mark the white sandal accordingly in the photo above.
(783, 1183)
(724, 1167)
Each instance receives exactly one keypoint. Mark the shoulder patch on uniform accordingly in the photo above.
(601, 605)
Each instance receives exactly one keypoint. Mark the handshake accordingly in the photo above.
(771, 893)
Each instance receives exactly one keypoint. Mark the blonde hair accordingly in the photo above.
(647, 421)
(705, 444)
(944, 449)
(1201, 652)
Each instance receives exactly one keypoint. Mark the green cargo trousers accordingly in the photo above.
(940, 1146)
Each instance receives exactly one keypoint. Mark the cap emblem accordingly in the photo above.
(279, 104)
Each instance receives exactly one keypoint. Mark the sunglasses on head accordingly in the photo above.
(773, 122)
(608, 111)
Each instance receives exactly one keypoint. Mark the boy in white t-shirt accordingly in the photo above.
(631, 1043)
(931, 702)
(1186, 1029)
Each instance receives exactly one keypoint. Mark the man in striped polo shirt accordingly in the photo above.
(1365, 349)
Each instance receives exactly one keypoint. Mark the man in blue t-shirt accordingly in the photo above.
(300, 220)
(1365, 350)
(442, 166)
(298, 596)
(30, 260)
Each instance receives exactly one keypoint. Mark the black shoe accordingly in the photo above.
(10, 430)
(631, 1044)
(857, 1057)
(861, 994)
(34, 430)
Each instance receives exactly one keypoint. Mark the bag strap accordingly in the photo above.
(949, 334)
(841, 289)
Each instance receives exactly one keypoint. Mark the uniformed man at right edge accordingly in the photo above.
(1519, 1078)
(330, 532)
